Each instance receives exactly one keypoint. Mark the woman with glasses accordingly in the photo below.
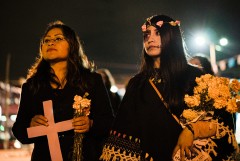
(61, 72)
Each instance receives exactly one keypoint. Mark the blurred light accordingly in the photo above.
(8, 101)
(218, 48)
(13, 117)
(223, 41)
(17, 144)
(231, 62)
(2, 128)
(200, 40)
(222, 65)
(114, 89)
(16, 100)
(3, 118)
(5, 136)
(238, 60)
(121, 91)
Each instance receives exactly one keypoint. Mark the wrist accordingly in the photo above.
(190, 128)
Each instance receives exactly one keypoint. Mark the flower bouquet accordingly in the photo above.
(82, 108)
(210, 94)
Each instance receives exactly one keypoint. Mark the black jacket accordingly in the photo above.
(101, 114)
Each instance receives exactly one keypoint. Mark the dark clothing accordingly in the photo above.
(115, 100)
(100, 113)
(146, 129)
(142, 115)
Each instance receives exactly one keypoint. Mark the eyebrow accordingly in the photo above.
(55, 35)
(151, 30)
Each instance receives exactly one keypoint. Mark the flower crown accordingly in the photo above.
(160, 23)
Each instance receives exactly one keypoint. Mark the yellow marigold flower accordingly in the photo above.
(220, 103)
(190, 114)
(192, 101)
(213, 93)
(224, 91)
(238, 97)
(199, 89)
(203, 79)
(232, 106)
(235, 85)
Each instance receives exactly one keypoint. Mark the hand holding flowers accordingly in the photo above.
(82, 110)
(211, 94)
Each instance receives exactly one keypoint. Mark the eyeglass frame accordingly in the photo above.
(56, 39)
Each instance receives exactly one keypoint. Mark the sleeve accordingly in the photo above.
(101, 110)
(124, 121)
(123, 143)
(24, 117)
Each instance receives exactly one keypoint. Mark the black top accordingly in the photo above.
(142, 115)
(31, 105)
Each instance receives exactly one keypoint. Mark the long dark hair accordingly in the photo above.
(173, 62)
(40, 74)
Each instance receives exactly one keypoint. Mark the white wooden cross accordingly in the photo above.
(51, 131)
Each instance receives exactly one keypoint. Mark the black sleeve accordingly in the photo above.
(24, 117)
(101, 110)
(125, 120)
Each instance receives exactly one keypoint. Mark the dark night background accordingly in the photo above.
(110, 29)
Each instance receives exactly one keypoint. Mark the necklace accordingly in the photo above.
(156, 78)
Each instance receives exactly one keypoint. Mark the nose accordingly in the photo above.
(151, 38)
(51, 42)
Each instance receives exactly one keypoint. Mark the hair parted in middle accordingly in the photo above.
(173, 61)
(77, 62)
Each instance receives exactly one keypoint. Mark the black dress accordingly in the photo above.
(144, 128)
(101, 114)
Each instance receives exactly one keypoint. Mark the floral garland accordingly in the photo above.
(160, 23)
(82, 108)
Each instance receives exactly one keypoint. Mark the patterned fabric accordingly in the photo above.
(210, 145)
(143, 115)
(120, 147)
(222, 146)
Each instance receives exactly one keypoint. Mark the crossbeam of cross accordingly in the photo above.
(51, 131)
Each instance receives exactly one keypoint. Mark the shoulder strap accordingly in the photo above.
(161, 97)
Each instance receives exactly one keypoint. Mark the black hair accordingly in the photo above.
(173, 62)
(41, 73)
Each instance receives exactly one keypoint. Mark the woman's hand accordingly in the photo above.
(38, 120)
(82, 124)
(185, 144)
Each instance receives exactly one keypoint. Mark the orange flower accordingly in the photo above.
(192, 101)
(214, 92)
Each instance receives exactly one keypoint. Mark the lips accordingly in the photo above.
(51, 49)
(153, 47)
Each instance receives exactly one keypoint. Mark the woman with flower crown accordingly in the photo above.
(148, 125)
(63, 75)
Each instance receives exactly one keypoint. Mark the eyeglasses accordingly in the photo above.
(46, 41)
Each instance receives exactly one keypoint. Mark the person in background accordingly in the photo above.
(147, 126)
(109, 82)
(203, 63)
(61, 72)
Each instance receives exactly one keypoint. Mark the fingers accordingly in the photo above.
(81, 124)
(175, 150)
(187, 152)
(38, 120)
(182, 154)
